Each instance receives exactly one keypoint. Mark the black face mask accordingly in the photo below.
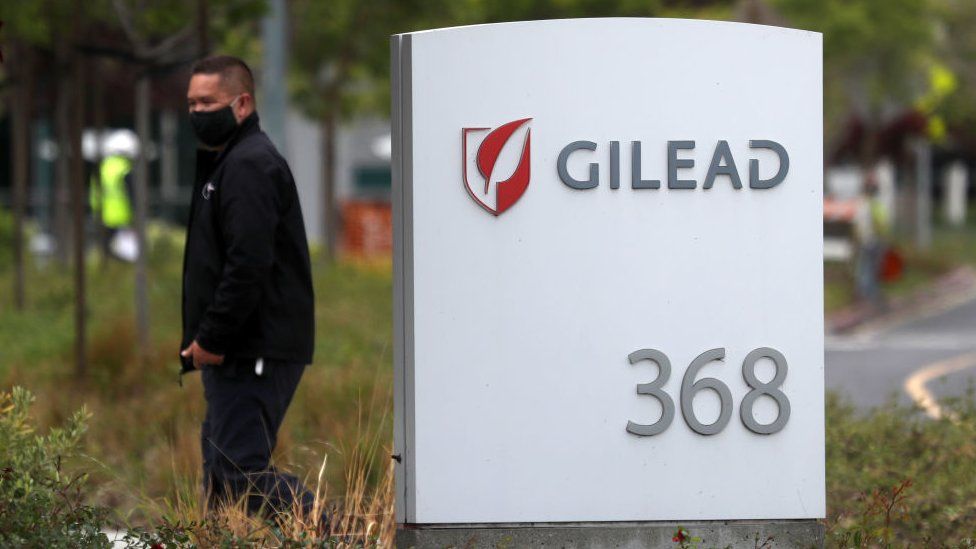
(214, 128)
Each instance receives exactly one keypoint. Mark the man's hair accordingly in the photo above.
(233, 72)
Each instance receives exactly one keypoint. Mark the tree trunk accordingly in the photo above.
(20, 140)
(78, 212)
(330, 224)
(142, 214)
(98, 115)
(62, 116)
(203, 19)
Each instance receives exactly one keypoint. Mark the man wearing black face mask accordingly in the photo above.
(248, 308)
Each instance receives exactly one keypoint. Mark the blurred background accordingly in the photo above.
(97, 161)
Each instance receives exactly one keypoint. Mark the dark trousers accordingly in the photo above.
(244, 412)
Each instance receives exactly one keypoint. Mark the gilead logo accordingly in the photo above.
(487, 160)
(497, 164)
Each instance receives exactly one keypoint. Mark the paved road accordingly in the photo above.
(873, 366)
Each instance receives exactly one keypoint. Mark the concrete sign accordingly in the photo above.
(608, 272)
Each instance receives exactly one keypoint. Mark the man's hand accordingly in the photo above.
(200, 356)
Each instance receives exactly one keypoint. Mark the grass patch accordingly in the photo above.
(43, 494)
(144, 435)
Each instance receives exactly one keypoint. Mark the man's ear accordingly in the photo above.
(245, 106)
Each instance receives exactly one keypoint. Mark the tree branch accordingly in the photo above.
(125, 20)
(171, 42)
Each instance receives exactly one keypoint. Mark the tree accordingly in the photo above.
(340, 53)
(957, 49)
(53, 25)
(876, 54)
(21, 107)
(71, 100)
(336, 64)
(143, 27)
(25, 27)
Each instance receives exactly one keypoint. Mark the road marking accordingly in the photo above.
(918, 341)
(915, 384)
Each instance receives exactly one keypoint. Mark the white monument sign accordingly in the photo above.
(608, 272)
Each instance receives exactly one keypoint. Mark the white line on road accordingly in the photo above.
(915, 384)
(919, 341)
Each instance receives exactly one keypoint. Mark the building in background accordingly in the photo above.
(363, 181)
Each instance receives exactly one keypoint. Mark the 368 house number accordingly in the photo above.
(690, 387)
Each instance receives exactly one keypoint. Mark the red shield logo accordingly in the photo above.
(496, 190)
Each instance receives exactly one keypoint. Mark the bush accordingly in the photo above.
(896, 477)
(40, 504)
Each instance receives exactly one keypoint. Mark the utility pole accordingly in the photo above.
(923, 197)
(274, 102)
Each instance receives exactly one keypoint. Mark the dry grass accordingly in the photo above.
(362, 517)
(360, 507)
(144, 436)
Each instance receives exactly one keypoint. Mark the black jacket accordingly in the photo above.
(247, 282)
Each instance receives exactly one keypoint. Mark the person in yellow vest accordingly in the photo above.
(872, 228)
(109, 199)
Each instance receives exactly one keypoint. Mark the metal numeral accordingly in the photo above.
(759, 389)
(690, 387)
(654, 389)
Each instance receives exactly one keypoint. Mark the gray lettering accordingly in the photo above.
(615, 164)
(635, 170)
(569, 180)
(675, 164)
(716, 168)
(784, 165)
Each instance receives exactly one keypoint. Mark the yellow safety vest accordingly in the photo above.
(112, 199)
(879, 218)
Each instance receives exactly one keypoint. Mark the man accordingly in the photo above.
(248, 307)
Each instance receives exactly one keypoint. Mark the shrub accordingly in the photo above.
(896, 477)
(41, 505)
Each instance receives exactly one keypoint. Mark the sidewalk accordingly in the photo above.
(953, 288)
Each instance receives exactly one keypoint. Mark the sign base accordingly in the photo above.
(735, 534)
